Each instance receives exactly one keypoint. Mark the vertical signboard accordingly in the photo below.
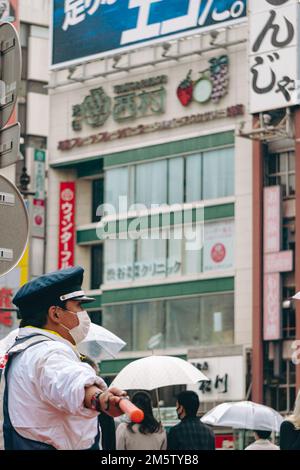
(66, 241)
(38, 208)
(273, 55)
(275, 262)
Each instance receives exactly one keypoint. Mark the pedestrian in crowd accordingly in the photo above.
(290, 429)
(148, 435)
(190, 433)
(106, 422)
(262, 441)
(52, 399)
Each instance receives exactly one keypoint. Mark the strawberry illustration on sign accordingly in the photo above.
(212, 85)
(185, 90)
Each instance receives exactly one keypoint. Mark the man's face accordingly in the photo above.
(178, 410)
(69, 317)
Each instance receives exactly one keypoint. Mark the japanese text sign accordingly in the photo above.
(93, 28)
(274, 65)
(66, 225)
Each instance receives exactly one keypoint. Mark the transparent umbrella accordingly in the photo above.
(244, 415)
(100, 343)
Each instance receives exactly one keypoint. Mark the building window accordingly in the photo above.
(187, 250)
(280, 394)
(116, 186)
(281, 171)
(218, 173)
(150, 181)
(97, 266)
(97, 197)
(197, 321)
(119, 260)
(175, 174)
(207, 175)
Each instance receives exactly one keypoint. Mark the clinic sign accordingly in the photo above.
(274, 62)
(85, 29)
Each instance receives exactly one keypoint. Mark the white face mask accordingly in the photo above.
(80, 331)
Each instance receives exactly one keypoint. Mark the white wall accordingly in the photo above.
(37, 114)
(35, 11)
(38, 58)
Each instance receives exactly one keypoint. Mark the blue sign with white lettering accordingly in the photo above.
(85, 29)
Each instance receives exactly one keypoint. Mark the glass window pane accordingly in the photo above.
(119, 260)
(283, 162)
(217, 319)
(116, 185)
(148, 321)
(97, 197)
(151, 257)
(194, 178)
(192, 246)
(292, 185)
(176, 182)
(182, 323)
(175, 253)
(283, 183)
(118, 320)
(272, 164)
(218, 173)
(292, 161)
(97, 266)
(151, 183)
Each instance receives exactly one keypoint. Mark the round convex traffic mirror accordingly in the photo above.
(14, 226)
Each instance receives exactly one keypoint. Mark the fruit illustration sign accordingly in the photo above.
(87, 29)
(211, 84)
(218, 251)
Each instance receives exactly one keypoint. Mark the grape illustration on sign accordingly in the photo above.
(212, 85)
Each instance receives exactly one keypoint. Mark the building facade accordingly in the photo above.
(156, 142)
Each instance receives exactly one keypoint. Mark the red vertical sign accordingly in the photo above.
(66, 240)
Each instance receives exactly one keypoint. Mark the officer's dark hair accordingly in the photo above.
(263, 434)
(189, 401)
(37, 318)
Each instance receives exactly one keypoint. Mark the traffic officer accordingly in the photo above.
(51, 398)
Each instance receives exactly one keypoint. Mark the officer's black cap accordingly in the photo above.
(51, 289)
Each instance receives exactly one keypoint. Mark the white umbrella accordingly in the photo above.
(244, 415)
(100, 343)
(154, 372)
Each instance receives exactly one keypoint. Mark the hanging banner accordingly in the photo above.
(85, 29)
(274, 62)
(66, 225)
(275, 263)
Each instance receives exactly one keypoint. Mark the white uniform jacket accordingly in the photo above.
(46, 394)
